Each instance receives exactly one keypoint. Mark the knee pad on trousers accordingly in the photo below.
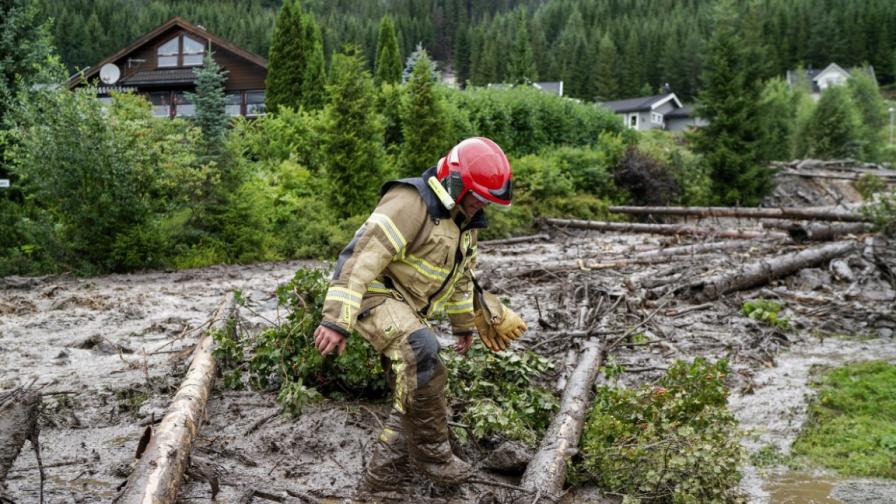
(430, 370)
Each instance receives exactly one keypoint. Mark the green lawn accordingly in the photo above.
(852, 422)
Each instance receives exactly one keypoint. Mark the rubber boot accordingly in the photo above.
(388, 468)
(426, 426)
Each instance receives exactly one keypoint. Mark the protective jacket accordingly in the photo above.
(411, 248)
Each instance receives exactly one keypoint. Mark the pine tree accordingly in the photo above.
(572, 47)
(730, 143)
(834, 129)
(521, 67)
(287, 59)
(606, 71)
(352, 138)
(462, 55)
(778, 110)
(633, 71)
(315, 79)
(866, 96)
(411, 64)
(210, 101)
(423, 121)
(388, 56)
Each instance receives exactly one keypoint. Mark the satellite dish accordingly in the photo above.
(110, 73)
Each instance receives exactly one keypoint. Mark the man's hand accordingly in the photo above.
(464, 342)
(326, 340)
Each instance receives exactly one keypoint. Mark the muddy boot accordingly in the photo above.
(388, 469)
(427, 426)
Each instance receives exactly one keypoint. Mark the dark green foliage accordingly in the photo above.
(778, 109)
(647, 181)
(730, 144)
(296, 61)
(423, 121)
(606, 70)
(388, 56)
(499, 393)
(521, 67)
(211, 115)
(352, 136)
(866, 96)
(671, 442)
(833, 130)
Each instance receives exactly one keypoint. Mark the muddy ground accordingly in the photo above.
(108, 354)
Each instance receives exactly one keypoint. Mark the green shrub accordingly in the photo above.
(765, 310)
(869, 184)
(498, 395)
(882, 213)
(673, 442)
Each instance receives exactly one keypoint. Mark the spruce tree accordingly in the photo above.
(210, 101)
(462, 55)
(731, 142)
(315, 79)
(833, 131)
(388, 56)
(778, 110)
(287, 59)
(521, 67)
(866, 96)
(634, 75)
(352, 135)
(423, 122)
(606, 72)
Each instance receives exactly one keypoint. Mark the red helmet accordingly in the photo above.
(478, 165)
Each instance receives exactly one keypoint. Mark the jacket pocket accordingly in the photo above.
(377, 323)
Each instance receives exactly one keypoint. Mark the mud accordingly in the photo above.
(108, 353)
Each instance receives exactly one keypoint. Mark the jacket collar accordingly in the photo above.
(434, 207)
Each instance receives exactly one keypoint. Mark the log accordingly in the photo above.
(763, 271)
(516, 239)
(546, 472)
(815, 231)
(693, 249)
(803, 213)
(158, 473)
(580, 265)
(19, 411)
(665, 229)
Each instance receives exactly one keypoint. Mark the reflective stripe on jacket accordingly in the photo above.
(410, 247)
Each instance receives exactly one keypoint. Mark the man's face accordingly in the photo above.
(470, 204)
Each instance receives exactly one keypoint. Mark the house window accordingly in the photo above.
(182, 50)
(183, 107)
(234, 106)
(168, 53)
(194, 51)
(161, 103)
(656, 118)
(633, 121)
(254, 103)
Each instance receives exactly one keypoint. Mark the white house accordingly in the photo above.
(818, 80)
(663, 111)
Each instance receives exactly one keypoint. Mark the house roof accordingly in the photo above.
(681, 113)
(176, 21)
(550, 87)
(641, 103)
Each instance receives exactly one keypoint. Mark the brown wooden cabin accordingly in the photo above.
(159, 65)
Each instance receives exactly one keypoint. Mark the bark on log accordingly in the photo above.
(825, 232)
(665, 229)
(696, 248)
(546, 472)
(564, 267)
(18, 421)
(807, 213)
(157, 476)
(516, 239)
(763, 271)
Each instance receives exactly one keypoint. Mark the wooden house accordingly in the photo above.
(159, 65)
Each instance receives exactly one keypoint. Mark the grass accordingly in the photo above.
(852, 422)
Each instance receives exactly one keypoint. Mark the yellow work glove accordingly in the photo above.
(497, 324)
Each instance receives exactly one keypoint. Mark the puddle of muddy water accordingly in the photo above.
(799, 488)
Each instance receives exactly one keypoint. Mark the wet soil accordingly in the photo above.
(108, 353)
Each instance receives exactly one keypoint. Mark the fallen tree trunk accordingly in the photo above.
(580, 265)
(694, 249)
(803, 213)
(516, 239)
(825, 232)
(665, 229)
(763, 271)
(546, 472)
(19, 411)
(157, 476)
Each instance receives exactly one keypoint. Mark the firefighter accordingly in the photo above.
(411, 259)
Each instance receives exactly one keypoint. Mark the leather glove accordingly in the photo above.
(497, 324)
